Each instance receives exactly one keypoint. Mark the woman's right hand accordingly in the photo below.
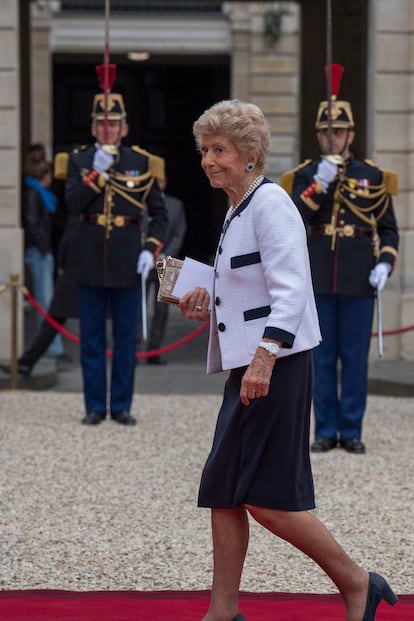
(194, 304)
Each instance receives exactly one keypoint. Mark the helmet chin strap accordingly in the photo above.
(345, 148)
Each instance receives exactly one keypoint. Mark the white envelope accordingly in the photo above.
(194, 274)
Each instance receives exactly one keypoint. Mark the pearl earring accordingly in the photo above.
(249, 166)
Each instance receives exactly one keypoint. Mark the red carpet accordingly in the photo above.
(179, 606)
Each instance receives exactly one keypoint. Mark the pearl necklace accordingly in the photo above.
(254, 184)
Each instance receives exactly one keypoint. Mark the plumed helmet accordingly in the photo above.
(116, 107)
(340, 111)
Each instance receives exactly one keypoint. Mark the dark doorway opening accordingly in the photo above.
(349, 48)
(163, 98)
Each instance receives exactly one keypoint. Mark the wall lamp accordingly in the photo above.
(273, 23)
(138, 57)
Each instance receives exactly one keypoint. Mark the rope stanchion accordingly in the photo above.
(14, 283)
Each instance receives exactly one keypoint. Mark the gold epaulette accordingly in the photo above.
(390, 178)
(155, 162)
(390, 181)
(157, 167)
(60, 166)
(286, 179)
(61, 160)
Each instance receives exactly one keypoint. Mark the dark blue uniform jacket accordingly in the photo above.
(350, 227)
(105, 250)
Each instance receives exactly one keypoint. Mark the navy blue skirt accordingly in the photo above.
(260, 453)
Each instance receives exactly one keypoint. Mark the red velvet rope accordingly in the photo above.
(396, 331)
(161, 350)
(76, 339)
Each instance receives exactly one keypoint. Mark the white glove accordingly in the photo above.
(378, 276)
(326, 172)
(145, 263)
(102, 160)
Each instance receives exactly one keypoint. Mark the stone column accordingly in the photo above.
(392, 147)
(11, 237)
(265, 70)
(41, 79)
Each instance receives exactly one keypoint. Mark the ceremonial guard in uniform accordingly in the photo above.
(353, 242)
(110, 187)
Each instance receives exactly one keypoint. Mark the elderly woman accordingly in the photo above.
(263, 326)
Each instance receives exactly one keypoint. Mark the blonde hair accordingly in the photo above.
(242, 123)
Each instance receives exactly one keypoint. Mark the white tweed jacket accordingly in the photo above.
(262, 282)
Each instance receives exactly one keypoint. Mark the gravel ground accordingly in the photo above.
(112, 508)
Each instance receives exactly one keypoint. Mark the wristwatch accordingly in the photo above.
(272, 348)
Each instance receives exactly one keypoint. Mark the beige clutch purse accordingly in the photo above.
(168, 270)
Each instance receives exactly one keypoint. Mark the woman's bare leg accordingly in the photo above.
(230, 530)
(308, 534)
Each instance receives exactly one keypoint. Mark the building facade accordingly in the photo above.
(270, 53)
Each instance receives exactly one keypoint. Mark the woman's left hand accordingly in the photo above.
(256, 381)
(194, 304)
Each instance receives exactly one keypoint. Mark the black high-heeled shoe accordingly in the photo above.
(378, 589)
